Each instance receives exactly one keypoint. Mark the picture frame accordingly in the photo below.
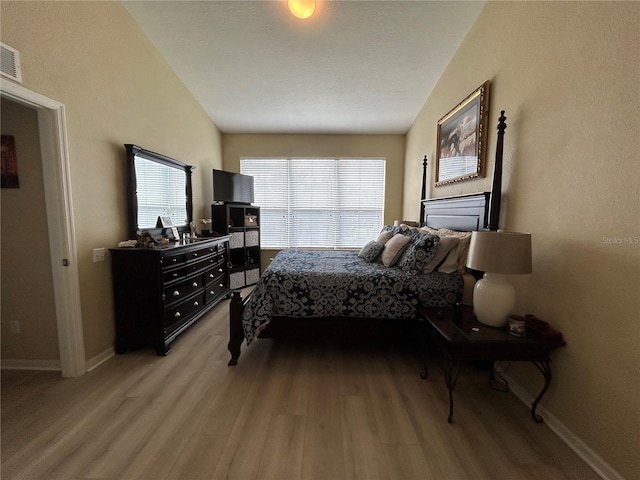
(9, 162)
(461, 141)
(164, 222)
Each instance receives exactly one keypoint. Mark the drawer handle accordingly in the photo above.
(211, 275)
(212, 292)
(220, 285)
(175, 275)
(194, 284)
(220, 270)
(174, 260)
(176, 293)
(195, 254)
(195, 304)
(177, 315)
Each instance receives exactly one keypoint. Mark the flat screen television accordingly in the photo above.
(232, 187)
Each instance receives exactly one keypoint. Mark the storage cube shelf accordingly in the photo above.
(242, 223)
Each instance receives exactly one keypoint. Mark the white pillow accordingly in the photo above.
(450, 262)
(461, 250)
(394, 249)
(444, 247)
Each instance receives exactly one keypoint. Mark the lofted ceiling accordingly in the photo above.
(354, 67)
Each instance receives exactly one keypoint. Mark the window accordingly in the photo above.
(161, 191)
(333, 203)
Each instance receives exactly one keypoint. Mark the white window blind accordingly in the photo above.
(319, 202)
(161, 191)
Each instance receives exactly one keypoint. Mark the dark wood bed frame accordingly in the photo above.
(476, 211)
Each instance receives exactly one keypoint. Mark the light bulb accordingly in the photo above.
(302, 8)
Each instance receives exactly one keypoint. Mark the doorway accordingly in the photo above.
(58, 199)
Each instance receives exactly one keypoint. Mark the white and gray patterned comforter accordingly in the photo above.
(321, 283)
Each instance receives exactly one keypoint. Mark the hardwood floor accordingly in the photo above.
(315, 410)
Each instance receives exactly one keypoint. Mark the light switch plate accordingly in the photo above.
(99, 255)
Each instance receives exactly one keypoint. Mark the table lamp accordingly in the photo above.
(497, 254)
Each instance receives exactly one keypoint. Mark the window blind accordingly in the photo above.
(317, 202)
(169, 200)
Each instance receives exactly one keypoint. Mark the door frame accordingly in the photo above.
(62, 238)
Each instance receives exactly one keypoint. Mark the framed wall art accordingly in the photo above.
(9, 162)
(462, 139)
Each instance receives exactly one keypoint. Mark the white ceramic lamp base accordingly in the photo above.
(493, 300)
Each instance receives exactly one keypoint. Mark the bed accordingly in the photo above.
(301, 286)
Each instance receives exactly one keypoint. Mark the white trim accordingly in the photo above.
(55, 165)
(16, 364)
(597, 463)
(99, 359)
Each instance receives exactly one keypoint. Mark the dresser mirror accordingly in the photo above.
(158, 186)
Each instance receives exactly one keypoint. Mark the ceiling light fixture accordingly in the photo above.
(302, 8)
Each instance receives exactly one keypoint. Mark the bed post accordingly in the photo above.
(424, 190)
(236, 335)
(496, 188)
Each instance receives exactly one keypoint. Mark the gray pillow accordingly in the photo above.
(419, 253)
(371, 251)
(394, 249)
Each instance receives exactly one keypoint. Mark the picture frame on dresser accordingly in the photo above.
(461, 140)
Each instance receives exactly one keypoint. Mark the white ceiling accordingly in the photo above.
(354, 67)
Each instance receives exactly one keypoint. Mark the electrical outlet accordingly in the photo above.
(99, 255)
(15, 326)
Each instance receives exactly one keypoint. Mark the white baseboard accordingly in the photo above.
(54, 365)
(574, 442)
(99, 359)
(17, 364)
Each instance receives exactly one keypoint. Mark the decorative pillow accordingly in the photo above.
(461, 250)
(371, 251)
(420, 251)
(394, 249)
(450, 262)
(444, 247)
(385, 236)
(402, 228)
(429, 230)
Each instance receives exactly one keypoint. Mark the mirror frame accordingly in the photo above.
(132, 196)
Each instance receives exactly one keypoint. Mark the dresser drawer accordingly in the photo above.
(169, 261)
(215, 289)
(177, 314)
(203, 252)
(215, 272)
(178, 291)
(174, 275)
(201, 265)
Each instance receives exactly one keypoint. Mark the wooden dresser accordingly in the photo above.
(160, 292)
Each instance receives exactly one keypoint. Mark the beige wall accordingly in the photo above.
(391, 147)
(567, 74)
(117, 89)
(27, 281)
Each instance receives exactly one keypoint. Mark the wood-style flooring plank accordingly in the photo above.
(314, 409)
(323, 442)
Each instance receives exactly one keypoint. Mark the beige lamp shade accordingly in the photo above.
(506, 253)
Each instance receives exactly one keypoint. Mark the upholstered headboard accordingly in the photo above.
(463, 212)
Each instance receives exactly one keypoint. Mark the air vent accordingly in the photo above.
(10, 60)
